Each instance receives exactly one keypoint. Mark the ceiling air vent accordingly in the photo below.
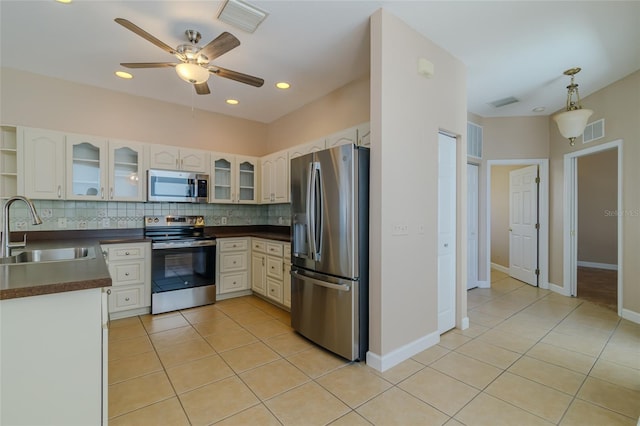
(504, 102)
(593, 131)
(242, 15)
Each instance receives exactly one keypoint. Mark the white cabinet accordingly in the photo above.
(234, 179)
(43, 154)
(343, 137)
(54, 351)
(258, 272)
(130, 270)
(306, 148)
(174, 158)
(269, 268)
(104, 170)
(8, 162)
(364, 134)
(274, 178)
(232, 265)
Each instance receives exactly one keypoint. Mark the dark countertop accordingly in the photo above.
(38, 278)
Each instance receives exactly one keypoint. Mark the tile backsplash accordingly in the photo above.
(60, 215)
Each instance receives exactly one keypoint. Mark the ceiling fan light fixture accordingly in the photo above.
(192, 73)
(283, 85)
(242, 15)
(572, 122)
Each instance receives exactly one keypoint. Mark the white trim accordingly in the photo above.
(631, 315)
(484, 284)
(543, 208)
(500, 268)
(465, 323)
(395, 357)
(570, 217)
(559, 289)
(596, 265)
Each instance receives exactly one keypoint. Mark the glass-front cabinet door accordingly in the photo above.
(86, 167)
(247, 178)
(234, 179)
(221, 187)
(126, 171)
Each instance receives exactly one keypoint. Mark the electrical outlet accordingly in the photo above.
(400, 229)
(223, 220)
(83, 224)
(62, 222)
(280, 220)
(106, 222)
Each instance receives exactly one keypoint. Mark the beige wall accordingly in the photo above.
(407, 111)
(500, 214)
(597, 199)
(37, 101)
(343, 108)
(619, 105)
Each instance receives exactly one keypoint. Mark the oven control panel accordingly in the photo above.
(153, 221)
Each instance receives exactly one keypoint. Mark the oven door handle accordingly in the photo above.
(185, 244)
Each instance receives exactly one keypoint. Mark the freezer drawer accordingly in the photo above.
(329, 312)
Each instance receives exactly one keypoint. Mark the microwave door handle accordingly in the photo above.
(319, 212)
(308, 212)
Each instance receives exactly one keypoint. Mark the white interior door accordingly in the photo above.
(446, 233)
(523, 221)
(472, 226)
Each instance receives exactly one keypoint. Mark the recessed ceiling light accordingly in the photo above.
(233, 101)
(123, 74)
(538, 109)
(283, 85)
(64, 1)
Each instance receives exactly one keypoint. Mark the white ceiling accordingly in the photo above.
(513, 48)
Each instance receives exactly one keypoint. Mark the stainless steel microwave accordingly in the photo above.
(177, 187)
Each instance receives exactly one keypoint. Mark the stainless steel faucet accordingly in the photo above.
(7, 245)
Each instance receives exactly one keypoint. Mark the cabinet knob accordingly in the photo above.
(126, 274)
(126, 253)
(109, 292)
(126, 299)
(446, 244)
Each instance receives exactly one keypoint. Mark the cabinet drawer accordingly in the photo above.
(258, 245)
(274, 290)
(125, 253)
(287, 251)
(233, 282)
(232, 244)
(124, 298)
(274, 267)
(126, 273)
(274, 249)
(233, 262)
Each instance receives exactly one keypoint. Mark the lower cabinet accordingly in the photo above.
(54, 359)
(130, 270)
(286, 279)
(232, 265)
(270, 270)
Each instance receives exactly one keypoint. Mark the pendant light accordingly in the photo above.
(573, 120)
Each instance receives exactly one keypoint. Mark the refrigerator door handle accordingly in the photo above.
(308, 212)
(319, 212)
(341, 287)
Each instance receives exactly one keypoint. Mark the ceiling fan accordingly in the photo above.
(195, 66)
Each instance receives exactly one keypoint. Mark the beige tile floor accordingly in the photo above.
(529, 357)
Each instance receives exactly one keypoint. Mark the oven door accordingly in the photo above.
(182, 275)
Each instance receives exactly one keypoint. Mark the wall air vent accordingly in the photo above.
(474, 140)
(504, 102)
(242, 15)
(593, 131)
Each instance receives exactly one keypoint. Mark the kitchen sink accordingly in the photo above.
(51, 255)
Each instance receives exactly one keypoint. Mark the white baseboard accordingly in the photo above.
(560, 290)
(465, 323)
(484, 284)
(631, 315)
(385, 362)
(609, 266)
(500, 268)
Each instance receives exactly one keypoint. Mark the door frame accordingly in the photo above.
(543, 217)
(570, 217)
(477, 220)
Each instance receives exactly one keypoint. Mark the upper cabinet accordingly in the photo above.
(8, 162)
(343, 137)
(173, 158)
(364, 132)
(306, 148)
(274, 178)
(104, 170)
(44, 163)
(234, 179)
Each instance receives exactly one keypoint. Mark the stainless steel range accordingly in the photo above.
(182, 263)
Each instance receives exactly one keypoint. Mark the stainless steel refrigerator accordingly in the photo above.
(330, 249)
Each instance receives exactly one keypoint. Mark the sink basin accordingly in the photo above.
(51, 255)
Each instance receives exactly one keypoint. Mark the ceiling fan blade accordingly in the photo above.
(202, 88)
(237, 76)
(147, 64)
(220, 45)
(142, 33)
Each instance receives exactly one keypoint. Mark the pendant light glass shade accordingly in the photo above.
(192, 73)
(572, 123)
